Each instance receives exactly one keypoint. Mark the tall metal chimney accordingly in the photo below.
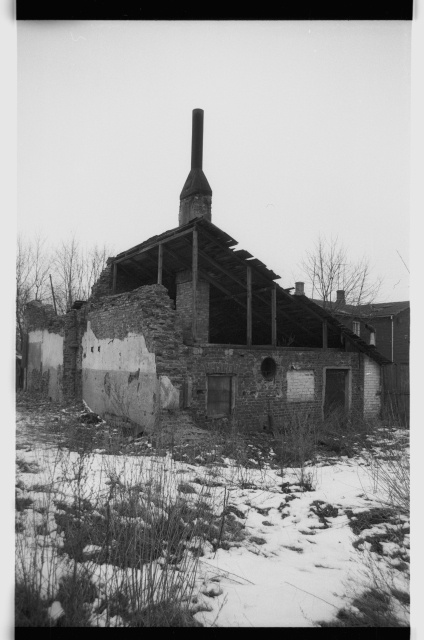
(196, 196)
(197, 139)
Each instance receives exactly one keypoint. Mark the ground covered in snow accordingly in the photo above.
(117, 531)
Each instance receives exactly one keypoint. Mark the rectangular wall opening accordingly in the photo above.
(336, 396)
(219, 396)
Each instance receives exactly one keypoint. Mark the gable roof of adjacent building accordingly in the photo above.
(375, 310)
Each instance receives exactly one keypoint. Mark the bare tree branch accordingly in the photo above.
(327, 268)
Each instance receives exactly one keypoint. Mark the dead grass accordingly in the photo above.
(371, 609)
(137, 525)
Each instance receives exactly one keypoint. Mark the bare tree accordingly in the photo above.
(327, 268)
(41, 264)
(75, 271)
(23, 287)
(32, 269)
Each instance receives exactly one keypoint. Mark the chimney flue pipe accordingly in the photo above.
(197, 139)
(340, 296)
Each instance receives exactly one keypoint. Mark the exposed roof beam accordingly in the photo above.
(243, 285)
(154, 244)
(218, 285)
(234, 255)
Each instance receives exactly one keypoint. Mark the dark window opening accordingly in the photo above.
(219, 396)
(336, 392)
(268, 368)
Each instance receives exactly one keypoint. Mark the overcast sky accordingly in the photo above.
(307, 132)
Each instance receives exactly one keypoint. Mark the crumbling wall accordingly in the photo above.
(103, 285)
(75, 323)
(44, 370)
(258, 402)
(131, 356)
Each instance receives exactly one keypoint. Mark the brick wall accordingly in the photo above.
(133, 356)
(184, 306)
(103, 286)
(256, 398)
(42, 316)
(175, 376)
(147, 310)
(372, 387)
(195, 206)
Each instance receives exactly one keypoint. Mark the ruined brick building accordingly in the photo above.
(185, 327)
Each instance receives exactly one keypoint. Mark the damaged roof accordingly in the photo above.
(224, 267)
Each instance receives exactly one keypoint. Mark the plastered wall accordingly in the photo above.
(372, 387)
(119, 377)
(45, 363)
(129, 361)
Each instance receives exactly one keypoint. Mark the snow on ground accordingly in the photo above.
(295, 564)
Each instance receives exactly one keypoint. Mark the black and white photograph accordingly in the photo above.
(212, 331)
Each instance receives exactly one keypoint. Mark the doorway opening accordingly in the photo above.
(336, 395)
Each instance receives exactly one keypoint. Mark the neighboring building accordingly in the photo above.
(185, 328)
(387, 326)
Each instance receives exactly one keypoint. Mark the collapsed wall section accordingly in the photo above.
(131, 356)
(44, 365)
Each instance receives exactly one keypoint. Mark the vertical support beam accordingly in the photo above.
(324, 334)
(274, 315)
(115, 271)
(54, 299)
(249, 306)
(194, 263)
(160, 263)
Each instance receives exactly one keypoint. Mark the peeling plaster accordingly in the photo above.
(169, 395)
(128, 354)
(119, 377)
(45, 354)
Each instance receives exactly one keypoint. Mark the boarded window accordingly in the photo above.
(219, 395)
(300, 386)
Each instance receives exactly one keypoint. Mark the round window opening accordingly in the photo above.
(268, 368)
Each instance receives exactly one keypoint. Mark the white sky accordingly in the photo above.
(307, 132)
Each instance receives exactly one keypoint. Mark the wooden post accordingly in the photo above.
(54, 299)
(160, 263)
(274, 315)
(194, 262)
(324, 334)
(249, 306)
(115, 271)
